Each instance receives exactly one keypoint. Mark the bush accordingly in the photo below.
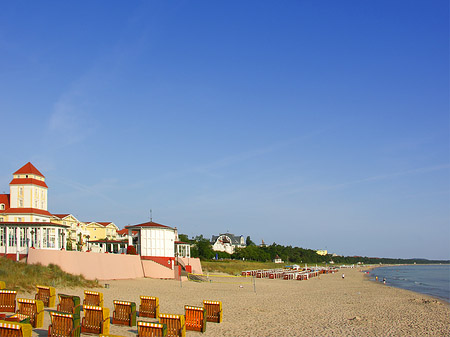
(131, 250)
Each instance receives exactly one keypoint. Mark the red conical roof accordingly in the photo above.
(28, 168)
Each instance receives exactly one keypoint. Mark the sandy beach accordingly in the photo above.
(324, 306)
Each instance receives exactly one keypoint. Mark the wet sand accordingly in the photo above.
(324, 306)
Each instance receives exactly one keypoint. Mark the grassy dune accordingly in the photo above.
(22, 276)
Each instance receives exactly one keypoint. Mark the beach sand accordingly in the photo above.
(324, 306)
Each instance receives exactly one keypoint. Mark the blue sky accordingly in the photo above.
(319, 124)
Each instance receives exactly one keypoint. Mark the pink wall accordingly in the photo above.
(91, 265)
(155, 270)
(194, 262)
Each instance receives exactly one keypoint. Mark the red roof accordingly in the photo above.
(61, 216)
(4, 199)
(104, 224)
(125, 232)
(28, 181)
(27, 211)
(149, 224)
(28, 168)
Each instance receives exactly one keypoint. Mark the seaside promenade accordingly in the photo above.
(323, 306)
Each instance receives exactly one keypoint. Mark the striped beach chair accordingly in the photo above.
(33, 309)
(93, 298)
(148, 329)
(46, 295)
(149, 307)
(8, 300)
(15, 329)
(124, 313)
(195, 318)
(213, 311)
(176, 326)
(95, 320)
(64, 325)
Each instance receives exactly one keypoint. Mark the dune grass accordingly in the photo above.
(235, 267)
(22, 276)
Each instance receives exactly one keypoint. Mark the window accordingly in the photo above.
(23, 238)
(2, 237)
(12, 237)
(1, 219)
(2, 207)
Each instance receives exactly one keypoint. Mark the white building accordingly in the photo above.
(227, 242)
(24, 219)
(156, 241)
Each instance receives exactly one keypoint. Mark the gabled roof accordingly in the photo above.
(62, 216)
(235, 240)
(29, 168)
(149, 224)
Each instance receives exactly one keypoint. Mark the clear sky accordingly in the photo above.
(318, 124)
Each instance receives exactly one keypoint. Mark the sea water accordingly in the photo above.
(431, 280)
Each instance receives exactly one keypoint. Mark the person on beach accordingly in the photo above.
(343, 276)
(384, 280)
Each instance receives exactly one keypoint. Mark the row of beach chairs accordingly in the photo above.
(66, 320)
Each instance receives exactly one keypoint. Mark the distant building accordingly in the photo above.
(277, 259)
(227, 242)
(322, 252)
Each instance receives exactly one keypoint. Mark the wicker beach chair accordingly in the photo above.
(15, 329)
(93, 298)
(64, 325)
(8, 300)
(46, 295)
(195, 318)
(69, 304)
(213, 311)
(95, 320)
(149, 307)
(148, 329)
(33, 309)
(124, 313)
(176, 326)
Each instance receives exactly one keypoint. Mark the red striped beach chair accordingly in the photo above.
(176, 326)
(195, 318)
(213, 311)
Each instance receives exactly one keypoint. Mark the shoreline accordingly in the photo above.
(322, 306)
(444, 300)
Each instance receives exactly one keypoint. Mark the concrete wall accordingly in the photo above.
(91, 265)
(155, 270)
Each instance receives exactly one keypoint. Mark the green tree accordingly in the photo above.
(249, 241)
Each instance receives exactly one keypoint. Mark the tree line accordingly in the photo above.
(202, 248)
